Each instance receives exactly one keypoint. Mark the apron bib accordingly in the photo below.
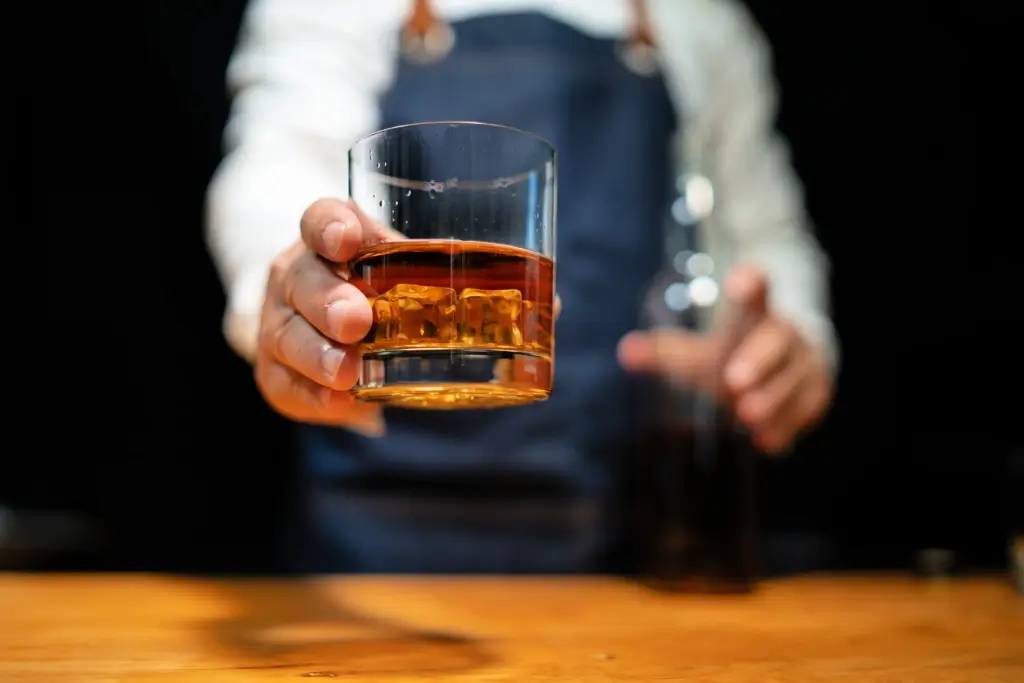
(521, 489)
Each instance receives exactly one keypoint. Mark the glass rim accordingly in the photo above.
(424, 124)
(440, 186)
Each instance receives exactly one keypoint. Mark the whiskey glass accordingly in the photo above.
(463, 289)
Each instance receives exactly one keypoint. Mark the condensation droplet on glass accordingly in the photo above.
(382, 203)
(430, 193)
(378, 164)
(408, 193)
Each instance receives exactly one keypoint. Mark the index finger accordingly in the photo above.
(336, 229)
(746, 287)
(745, 305)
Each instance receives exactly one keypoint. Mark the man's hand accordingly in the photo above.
(777, 384)
(306, 362)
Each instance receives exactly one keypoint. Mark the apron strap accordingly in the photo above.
(426, 38)
(640, 29)
(639, 52)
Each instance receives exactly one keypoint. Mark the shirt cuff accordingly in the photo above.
(818, 331)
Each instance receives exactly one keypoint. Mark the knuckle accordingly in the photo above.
(782, 329)
(267, 341)
(305, 392)
(261, 374)
(281, 336)
(321, 398)
(297, 273)
(791, 331)
(310, 214)
(819, 399)
(281, 267)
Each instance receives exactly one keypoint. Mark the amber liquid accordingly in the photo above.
(456, 324)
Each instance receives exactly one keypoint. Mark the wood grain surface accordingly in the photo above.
(167, 629)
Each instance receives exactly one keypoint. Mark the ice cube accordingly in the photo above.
(536, 319)
(490, 316)
(417, 313)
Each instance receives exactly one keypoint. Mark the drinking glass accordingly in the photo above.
(463, 293)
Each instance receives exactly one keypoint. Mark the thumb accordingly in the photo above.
(678, 355)
(374, 231)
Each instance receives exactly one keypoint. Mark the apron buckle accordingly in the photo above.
(640, 57)
(432, 45)
(639, 52)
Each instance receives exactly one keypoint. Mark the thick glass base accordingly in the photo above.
(454, 378)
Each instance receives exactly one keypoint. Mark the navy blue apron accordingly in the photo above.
(530, 489)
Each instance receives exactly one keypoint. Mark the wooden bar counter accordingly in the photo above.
(168, 629)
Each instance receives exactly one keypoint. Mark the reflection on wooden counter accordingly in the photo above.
(153, 629)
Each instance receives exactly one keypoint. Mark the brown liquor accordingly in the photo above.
(456, 323)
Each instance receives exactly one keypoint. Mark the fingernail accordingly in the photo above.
(333, 236)
(338, 313)
(332, 359)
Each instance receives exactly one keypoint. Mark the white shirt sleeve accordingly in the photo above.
(304, 89)
(720, 66)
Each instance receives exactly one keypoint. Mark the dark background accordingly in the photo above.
(133, 411)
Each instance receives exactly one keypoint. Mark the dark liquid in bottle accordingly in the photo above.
(691, 509)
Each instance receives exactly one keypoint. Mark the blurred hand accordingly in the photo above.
(306, 364)
(776, 383)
